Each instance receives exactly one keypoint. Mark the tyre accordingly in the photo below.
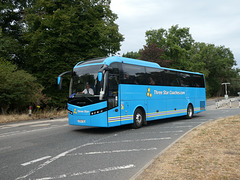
(190, 111)
(138, 119)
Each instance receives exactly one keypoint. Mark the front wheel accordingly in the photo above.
(190, 111)
(138, 119)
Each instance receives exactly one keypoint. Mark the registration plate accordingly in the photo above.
(81, 121)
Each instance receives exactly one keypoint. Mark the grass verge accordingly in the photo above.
(35, 115)
(211, 151)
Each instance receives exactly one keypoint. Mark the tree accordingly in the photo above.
(234, 87)
(153, 53)
(176, 43)
(12, 23)
(133, 55)
(18, 88)
(61, 33)
(10, 48)
(216, 62)
(197, 58)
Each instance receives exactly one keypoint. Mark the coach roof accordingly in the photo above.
(112, 59)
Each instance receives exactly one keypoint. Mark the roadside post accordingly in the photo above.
(217, 104)
(30, 111)
(226, 95)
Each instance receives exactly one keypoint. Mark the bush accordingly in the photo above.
(18, 89)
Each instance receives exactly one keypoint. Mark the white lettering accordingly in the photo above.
(158, 92)
(164, 92)
(83, 111)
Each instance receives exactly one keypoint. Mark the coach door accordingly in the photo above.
(114, 118)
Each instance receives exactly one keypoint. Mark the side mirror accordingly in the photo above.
(100, 74)
(59, 82)
(59, 79)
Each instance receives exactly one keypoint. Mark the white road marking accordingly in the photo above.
(29, 131)
(9, 133)
(40, 125)
(136, 140)
(159, 132)
(4, 127)
(113, 151)
(55, 158)
(194, 122)
(69, 175)
(81, 146)
(4, 148)
(4, 167)
(188, 126)
(36, 160)
(32, 123)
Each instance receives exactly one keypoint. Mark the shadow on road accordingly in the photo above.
(174, 119)
(101, 131)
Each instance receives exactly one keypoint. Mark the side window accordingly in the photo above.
(154, 76)
(172, 78)
(185, 79)
(133, 74)
(114, 76)
(198, 80)
(191, 80)
(113, 81)
(202, 82)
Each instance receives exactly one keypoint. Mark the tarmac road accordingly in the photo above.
(51, 149)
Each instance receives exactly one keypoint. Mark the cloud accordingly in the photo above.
(210, 21)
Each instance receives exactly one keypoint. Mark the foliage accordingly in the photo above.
(153, 53)
(177, 47)
(234, 87)
(216, 62)
(133, 55)
(176, 42)
(18, 88)
(60, 33)
(10, 48)
(46, 37)
(12, 25)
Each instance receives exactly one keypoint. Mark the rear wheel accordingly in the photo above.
(190, 111)
(138, 119)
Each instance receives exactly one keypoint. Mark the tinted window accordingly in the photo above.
(172, 78)
(198, 80)
(154, 76)
(133, 74)
(185, 79)
(137, 75)
(91, 61)
(114, 78)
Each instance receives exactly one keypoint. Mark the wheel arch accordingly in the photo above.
(190, 111)
(144, 113)
(191, 104)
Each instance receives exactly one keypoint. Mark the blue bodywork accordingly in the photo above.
(157, 102)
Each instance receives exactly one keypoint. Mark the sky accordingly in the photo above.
(210, 21)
